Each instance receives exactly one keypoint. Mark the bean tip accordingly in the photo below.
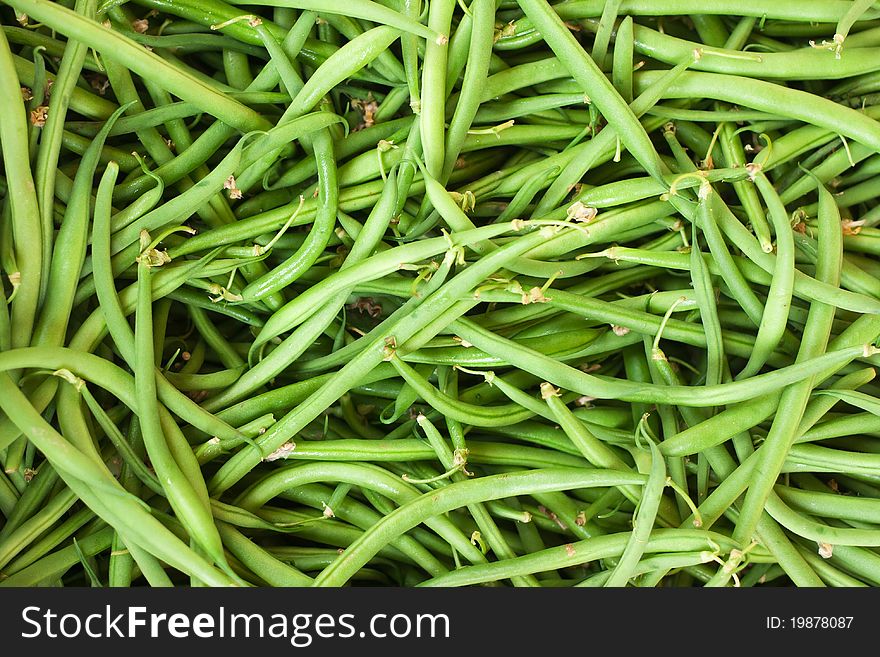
(548, 391)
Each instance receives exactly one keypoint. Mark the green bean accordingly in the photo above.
(269, 569)
(477, 68)
(828, 573)
(833, 165)
(594, 450)
(82, 101)
(523, 75)
(794, 399)
(71, 247)
(456, 495)
(809, 63)
(604, 32)
(150, 567)
(180, 490)
(860, 180)
(219, 345)
(776, 308)
(481, 514)
(203, 301)
(787, 10)
(714, 459)
(595, 85)
(405, 548)
(388, 261)
(207, 381)
(52, 566)
(792, 562)
(466, 413)
(410, 57)
(25, 505)
(314, 324)
(386, 64)
(209, 14)
(363, 9)
(17, 540)
(594, 386)
(115, 317)
(817, 531)
(182, 206)
(861, 400)
(705, 294)
(50, 142)
(50, 540)
(236, 68)
(366, 476)
(52, 46)
(622, 59)
(845, 23)
(711, 29)
(814, 458)
(843, 508)
(77, 144)
(325, 220)
(131, 459)
(147, 118)
(642, 523)
(185, 86)
(819, 405)
(659, 566)
(353, 56)
(734, 155)
(719, 428)
(729, 272)
(23, 204)
(354, 143)
(125, 510)
(602, 147)
(769, 97)
(9, 496)
(856, 560)
(433, 89)
(851, 277)
(805, 287)
(400, 450)
(124, 88)
(41, 397)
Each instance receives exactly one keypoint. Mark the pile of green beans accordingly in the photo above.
(439, 293)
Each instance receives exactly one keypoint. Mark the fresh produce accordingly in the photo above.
(438, 293)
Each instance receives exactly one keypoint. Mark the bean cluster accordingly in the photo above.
(439, 293)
